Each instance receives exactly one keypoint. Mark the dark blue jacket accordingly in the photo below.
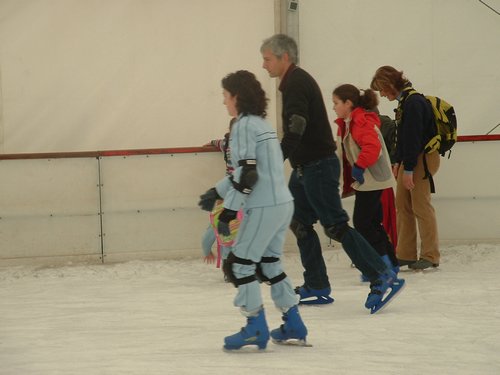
(415, 127)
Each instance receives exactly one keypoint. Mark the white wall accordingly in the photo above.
(448, 48)
(79, 75)
(90, 75)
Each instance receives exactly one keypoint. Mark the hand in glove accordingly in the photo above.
(207, 200)
(357, 174)
(225, 217)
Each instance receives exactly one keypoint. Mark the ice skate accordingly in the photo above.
(310, 296)
(292, 331)
(383, 291)
(388, 263)
(255, 332)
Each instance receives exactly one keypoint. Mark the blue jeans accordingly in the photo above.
(315, 188)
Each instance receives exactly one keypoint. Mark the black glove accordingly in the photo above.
(224, 218)
(207, 200)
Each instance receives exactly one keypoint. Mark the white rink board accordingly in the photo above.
(49, 208)
(150, 203)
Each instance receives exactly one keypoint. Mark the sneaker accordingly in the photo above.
(309, 296)
(292, 329)
(403, 262)
(422, 264)
(255, 332)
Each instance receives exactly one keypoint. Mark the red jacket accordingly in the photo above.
(361, 129)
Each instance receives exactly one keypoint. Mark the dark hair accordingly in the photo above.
(251, 98)
(386, 77)
(366, 99)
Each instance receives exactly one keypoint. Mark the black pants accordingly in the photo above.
(367, 219)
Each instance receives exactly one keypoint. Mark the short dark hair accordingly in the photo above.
(250, 97)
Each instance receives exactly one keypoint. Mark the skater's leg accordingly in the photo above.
(424, 210)
(240, 269)
(282, 293)
(315, 273)
(263, 230)
(361, 253)
(271, 265)
(367, 219)
(316, 197)
(406, 223)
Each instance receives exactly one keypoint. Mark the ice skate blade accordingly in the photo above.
(316, 300)
(247, 349)
(397, 287)
(292, 342)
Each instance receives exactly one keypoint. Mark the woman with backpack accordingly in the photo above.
(412, 165)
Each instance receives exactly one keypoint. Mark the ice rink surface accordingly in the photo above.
(170, 317)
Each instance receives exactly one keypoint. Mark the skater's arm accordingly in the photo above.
(243, 155)
(209, 259)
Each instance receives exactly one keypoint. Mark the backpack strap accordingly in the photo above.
(428, 175)
(407, 91)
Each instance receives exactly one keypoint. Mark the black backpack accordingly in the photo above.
(388, 129)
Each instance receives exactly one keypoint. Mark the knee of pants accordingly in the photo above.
(337, 231)
(300, 230)
(243, 270)
(271, 270)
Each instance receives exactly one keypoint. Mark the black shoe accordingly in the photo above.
(408, 263)
(422, 264)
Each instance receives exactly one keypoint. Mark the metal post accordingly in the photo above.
(99, 186)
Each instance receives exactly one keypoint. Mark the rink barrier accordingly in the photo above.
(98, 154)
(174, 150)
(48, 217)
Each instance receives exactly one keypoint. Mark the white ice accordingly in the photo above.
(170, 317)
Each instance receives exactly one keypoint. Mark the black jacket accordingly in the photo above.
(302, 96)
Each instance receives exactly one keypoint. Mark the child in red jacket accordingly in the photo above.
(366, 163)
